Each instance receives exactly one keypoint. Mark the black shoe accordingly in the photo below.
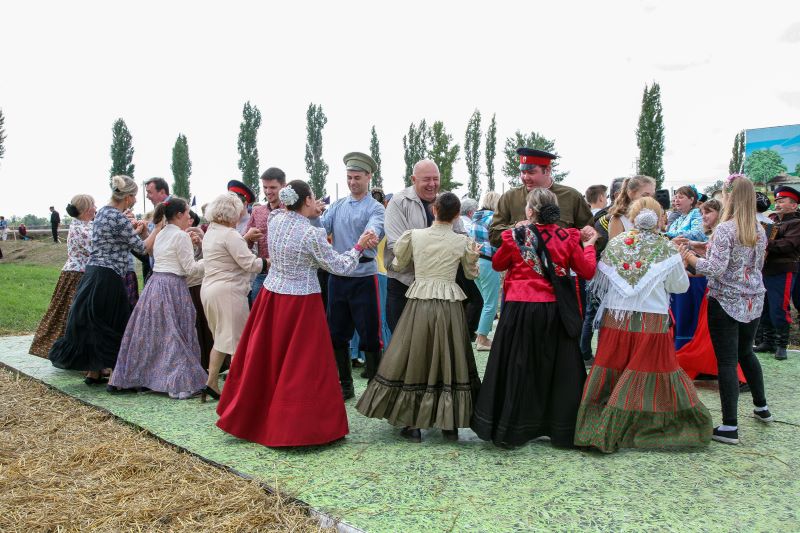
(117, 390)
(208, 391)
(764, 347)
(780, 353)
(728, 437)
(357, 363)
(348, 391)
(411, 434)
(95, 381)
(744, 387)
(450, 434)
(763, 416)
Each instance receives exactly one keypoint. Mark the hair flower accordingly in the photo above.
(729, 181)
(288, 196)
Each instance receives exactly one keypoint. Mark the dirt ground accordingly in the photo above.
(68, 467)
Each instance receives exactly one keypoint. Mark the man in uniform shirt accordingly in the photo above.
(536, 171)
(353, 299)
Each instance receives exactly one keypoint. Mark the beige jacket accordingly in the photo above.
(436, 253)
(406, 212)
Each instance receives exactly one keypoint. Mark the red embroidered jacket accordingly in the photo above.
(526, 283)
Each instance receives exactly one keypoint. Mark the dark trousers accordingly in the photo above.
(796, 294)
(776, 301)
(733, 343)
(473, 305)
(395, 302)
(353, 306)
(589, 315)
(322, 276)
(54, 228)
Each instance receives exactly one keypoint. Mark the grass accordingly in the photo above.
(25, 292)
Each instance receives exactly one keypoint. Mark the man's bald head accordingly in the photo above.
(426, 179)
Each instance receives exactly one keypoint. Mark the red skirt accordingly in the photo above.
(283, 387)
(697, 356)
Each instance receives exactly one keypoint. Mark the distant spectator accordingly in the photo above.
(55, 220)
(3, 228)
(597, 198)
(23, 232)
(468, 208)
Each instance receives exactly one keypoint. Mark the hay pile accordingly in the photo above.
(66, 467)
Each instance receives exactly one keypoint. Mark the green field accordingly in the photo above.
(25, 292)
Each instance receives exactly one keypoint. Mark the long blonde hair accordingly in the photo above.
(623, 200)
(740, 206)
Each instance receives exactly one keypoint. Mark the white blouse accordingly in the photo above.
(173, 253)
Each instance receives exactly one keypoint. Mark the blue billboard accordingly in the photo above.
(783, 139)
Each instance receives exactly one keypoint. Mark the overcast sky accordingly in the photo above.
(572, 71)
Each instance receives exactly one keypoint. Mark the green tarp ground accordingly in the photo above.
(377, 482)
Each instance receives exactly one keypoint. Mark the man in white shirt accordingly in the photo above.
(597, 198)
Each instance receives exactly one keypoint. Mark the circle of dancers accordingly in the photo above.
(283, 299)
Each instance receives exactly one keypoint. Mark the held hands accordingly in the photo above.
(588, 236)
(368, 239)
(253, 235)
(320, 207)
(689, 258)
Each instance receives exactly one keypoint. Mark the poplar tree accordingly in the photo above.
(248, 147)
(121, 150)
(375, 152)
(491, 151)
(2, 135)
(416, 146)
(472, 154)
(650, 135)
(181, 168)
(316, 167)
(736, 166)
(445, 154)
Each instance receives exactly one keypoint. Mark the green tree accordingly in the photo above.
(416, 146)
(315, 165)
(375, 152)
(181, 168)
(491, 152)
(121, 150)
(248, 147)
(650, 135)
(716, 186)
(736, 166)
(531, 140)
(797, 170)
(472, 154)
(445, 154)
(2, 135)
(763, 165)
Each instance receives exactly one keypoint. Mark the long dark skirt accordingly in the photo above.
(54, 321)
(533, 381)
(95, 324)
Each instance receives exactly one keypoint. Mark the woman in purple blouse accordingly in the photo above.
(733, 261)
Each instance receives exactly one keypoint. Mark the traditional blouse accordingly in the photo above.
(436, 253)
(113, 238)
(174, 253)
(638, 271)
(525, 280)
(689, 225)
(297, 250)
(734, 272)
(79, 245)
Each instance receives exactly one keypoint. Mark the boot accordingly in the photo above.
(371, 368)
(781, 341)
(767, 339)
(759, 338)
(345, 373)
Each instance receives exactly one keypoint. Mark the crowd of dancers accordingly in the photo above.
(290, 295)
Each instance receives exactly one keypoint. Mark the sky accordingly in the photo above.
(571, 71)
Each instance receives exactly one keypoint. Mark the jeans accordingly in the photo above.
(255, 287)
(733, 343)
(489, 284)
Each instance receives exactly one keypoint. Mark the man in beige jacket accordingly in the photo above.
(409, 209)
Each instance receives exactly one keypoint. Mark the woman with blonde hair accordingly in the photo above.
(636, 395)
(632, 189)
(488, 279)
(229, 264)
(100, 310)
(732, 263)
(82, 209)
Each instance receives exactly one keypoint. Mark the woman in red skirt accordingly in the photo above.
(636, 395)
(283, 387)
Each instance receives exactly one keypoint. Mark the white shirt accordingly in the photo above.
(173, 253)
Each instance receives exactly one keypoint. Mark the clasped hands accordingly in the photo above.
(369, 239)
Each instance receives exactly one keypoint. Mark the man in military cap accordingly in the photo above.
(353, 299)
(780, 266)
(535, 168)
(247, 197)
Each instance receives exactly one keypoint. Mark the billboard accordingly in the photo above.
(783, 139)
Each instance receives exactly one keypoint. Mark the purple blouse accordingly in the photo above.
(297, 249)
(734, 272)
